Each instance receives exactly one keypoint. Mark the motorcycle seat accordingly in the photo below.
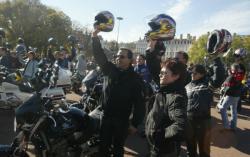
(5, 150)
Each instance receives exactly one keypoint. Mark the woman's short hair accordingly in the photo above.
(177, 68)
(199, 69)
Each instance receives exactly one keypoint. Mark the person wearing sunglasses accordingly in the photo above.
(165, 122)
(200, 99)
(122, 95)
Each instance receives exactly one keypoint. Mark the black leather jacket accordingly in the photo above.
(217, 73)
(122, 89)
(200, 99)
(166, 120)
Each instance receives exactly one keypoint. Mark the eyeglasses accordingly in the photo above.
(162, 73)
(120, 56)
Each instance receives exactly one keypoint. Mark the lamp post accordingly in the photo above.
(119, 19)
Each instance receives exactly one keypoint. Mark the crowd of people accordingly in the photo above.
(177, 110)
(180, 110)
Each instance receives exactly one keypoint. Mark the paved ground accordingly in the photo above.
(222, 144)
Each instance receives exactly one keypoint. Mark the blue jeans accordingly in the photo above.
(231, 102)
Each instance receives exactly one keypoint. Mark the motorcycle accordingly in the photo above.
(10, 94)
(78, 77)
(54, 130)
(92, 90)
(76, 82)
(49, 81)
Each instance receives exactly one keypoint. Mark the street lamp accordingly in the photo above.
(119, 19)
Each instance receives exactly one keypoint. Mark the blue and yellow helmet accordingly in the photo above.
(163, 27)
(104, 21)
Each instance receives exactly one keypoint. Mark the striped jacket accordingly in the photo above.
(200, 98)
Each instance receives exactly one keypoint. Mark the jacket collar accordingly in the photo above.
(173, 87)
(201, 80)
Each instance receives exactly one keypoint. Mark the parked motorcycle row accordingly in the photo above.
(45, 120)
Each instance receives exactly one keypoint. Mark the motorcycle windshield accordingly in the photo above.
(90, 78)
(29, 110)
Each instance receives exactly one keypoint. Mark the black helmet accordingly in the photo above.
(62, 48)
(219, 42)
(20, 40)
(72, 39)
(162, 28)
(2, 33)
(8, 45)
(52, 41)
(80, 46)
(104, 21)
(91, 65)
(33, 49)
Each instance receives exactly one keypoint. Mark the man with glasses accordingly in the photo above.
(122, 94)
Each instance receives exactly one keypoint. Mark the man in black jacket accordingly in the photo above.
(217, 73)
(122, 93)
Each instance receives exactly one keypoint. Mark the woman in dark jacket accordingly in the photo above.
(165, 122)
(200, 98)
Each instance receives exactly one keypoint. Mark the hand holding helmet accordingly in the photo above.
(104, 21)
(219, 42)
(162, 28)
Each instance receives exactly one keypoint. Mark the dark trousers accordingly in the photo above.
(199, 132)
(112, 136)
(161, 147)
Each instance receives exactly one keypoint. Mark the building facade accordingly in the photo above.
(172, 46)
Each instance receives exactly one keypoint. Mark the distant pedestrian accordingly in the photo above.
(142, 69)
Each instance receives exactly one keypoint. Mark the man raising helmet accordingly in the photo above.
(122, 94)
(219, 42)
